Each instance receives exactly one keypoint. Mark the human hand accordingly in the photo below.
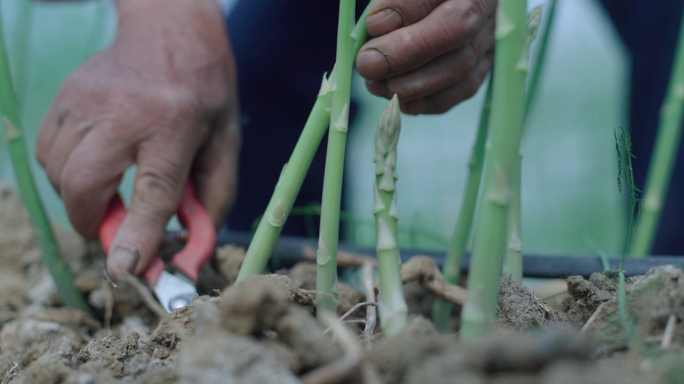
(163, 96)
(432, 53)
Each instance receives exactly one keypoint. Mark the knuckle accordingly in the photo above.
(469, 17)
(422, 45)
(177, 103)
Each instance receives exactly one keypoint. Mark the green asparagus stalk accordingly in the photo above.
(293, 174)
(441, 311)
(16, 146)
(288, 186)
(513, 259)
(507, 120)
(393, 309)
(22, 42)
(664, 155)
(326, 274)
(360, 34)
(541, 57)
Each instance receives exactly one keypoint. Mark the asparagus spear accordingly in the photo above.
(393, 309)
(326, 275)
(441, 311)
(16, 146)
(294, 171)
(507, 118)
(664, 155)
(288, 186)
(513, 258)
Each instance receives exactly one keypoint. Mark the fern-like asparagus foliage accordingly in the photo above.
(625, 178)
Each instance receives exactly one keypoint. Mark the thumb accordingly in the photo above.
(157, 190)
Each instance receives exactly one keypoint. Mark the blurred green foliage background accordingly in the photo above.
(570, 200)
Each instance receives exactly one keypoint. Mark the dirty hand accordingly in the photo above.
(163, 97)
(432, 53)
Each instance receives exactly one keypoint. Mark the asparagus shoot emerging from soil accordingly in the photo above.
(664, 155)
(623, 149)
(326, 275)
(441, 311)
(288, 186)
(513, 258)
(294, 171)
(507, 120)
(16, 146)
(393, 309)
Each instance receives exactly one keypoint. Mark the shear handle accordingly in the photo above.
(201, 234)
(192, 215)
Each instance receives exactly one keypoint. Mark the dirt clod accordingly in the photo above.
(229, 259)
(520, 309)
(587, 295)
(218, 357)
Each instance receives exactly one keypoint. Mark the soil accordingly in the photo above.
(264, 329)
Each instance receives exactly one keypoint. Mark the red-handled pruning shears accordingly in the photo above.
(173, 290)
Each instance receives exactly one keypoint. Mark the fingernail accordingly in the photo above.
(372, 64)
(124, 258)
(384, 22)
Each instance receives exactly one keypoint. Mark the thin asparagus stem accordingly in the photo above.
(16, 146)
(507, 120)
(513, 259)
(288, 186)
(538, 68)
(326, 275)
(664, 155)
(441, 311)
(22, 44)
(293, 174)
(393, 309)
(360, 33)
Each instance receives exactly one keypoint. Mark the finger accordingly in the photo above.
(438, 74)
(443, 100)
(215, 169)
(162, 170)
(59, 111)
(48, 130)
(453, 24)
(385, 16)
(91, 177)
(71, 130)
